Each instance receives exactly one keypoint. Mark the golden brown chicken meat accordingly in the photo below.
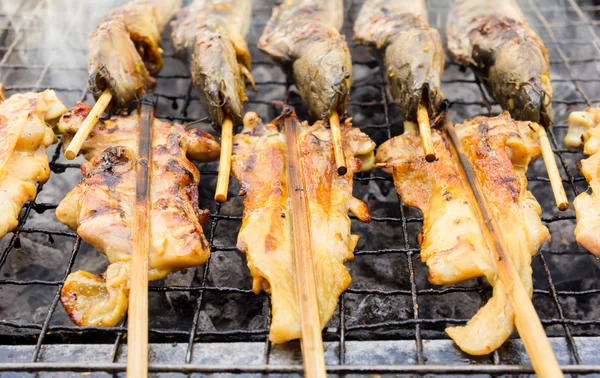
(453, 244)
(125, 52)
(100, 209)
(303, 36)
(259, 164)
(584, 129)
(209, 35)
(26, 133)
(410, 50)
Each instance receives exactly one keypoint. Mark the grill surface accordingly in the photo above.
(390, 320)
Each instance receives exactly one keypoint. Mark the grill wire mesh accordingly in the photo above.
(390, 320)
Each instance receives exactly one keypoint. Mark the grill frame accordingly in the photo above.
(340, 333)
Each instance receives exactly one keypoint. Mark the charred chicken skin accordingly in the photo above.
(25, 130)
(259, 164)
(125, 52)
(509, 58)
(584, 130)
(303, 36)
(453, 244)
(209, 35)
(410, 50)
(100, 209)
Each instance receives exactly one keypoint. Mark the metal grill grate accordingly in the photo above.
(390, 306)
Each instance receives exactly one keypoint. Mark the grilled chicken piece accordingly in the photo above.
(25, 131)
(453, 244)
(209, 35)
(584, 129)
(259, 164)
(100, 209)
(410, 50)
(1, 92)
(303, 36)
(125, 52)
(493, 38)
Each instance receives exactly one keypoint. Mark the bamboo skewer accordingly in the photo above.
(88, 124)
(137, 326)
(555, 180)
(311, 340)
(527, 321)
(225, 160)
(338, 144)
(425, 131)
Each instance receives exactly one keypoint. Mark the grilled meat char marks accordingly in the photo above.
(584, 131)
(493, 38)
(100, 209)
(124, 50)
(25, 132)
(266, 235)
(452, 241)
(303, 36)
(408, 48)
(209, 35)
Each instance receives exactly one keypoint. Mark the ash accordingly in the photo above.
(38, 53)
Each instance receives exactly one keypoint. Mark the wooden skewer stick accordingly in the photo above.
(137, 326)
(88, 124)
(425, 131)
(312, 342)
(225, 160)
(526, 318)
(338, 144)
(555, 180)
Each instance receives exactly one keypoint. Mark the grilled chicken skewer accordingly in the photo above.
(124, 55)
(509, 58)
(25, 132)
(209, 35)
(100, 209)
(303, 36)
(453, 244)
(584, 130)
(411, 52)
(259, 164)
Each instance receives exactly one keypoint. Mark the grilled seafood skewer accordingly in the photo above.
(124, 53)
(209, 35)
(303, 36)
(509, 58)
(411, 51)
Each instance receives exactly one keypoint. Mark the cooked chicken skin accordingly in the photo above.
(584, 129)
(452, 241)
(303, 36)
(493, 38)
(209, 35)
(125, 52)
(25, 130)
(409, 49)
(259, 164)
(100, 209)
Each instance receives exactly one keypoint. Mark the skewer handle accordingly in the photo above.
(425, 131)
(137, 326)
(225, 160)
(555, 180)
(88, 124)
(338, 144)
(527, 321)
(312, 341)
